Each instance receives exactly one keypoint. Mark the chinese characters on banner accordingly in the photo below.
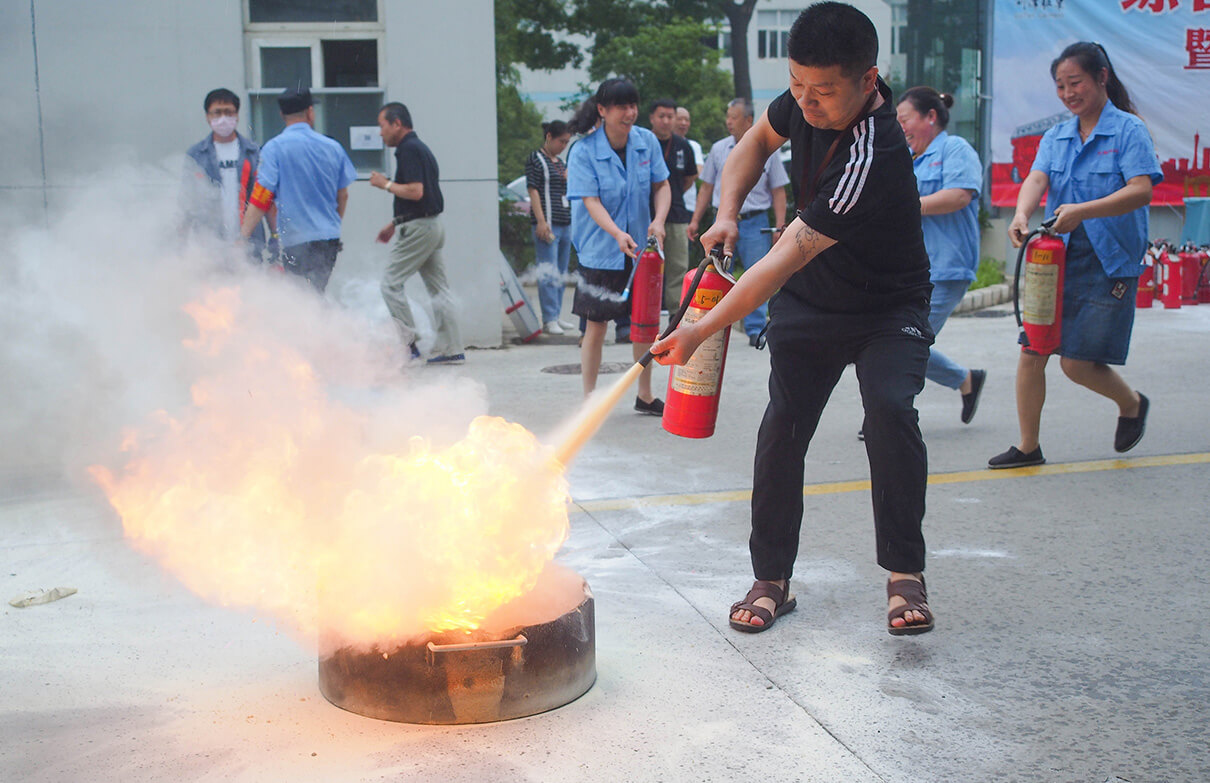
(1160, 49)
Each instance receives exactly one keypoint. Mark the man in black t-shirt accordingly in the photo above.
(418, 202)
(854, 289)
(682, 173)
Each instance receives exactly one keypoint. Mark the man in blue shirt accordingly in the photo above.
(307, 175)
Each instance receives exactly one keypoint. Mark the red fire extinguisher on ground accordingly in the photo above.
(1168, 279)
(646, 292)
(1041, 323)
(1203, 281)
(1191, 273)
(1144, 298)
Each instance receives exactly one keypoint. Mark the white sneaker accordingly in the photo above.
(569, 327)
(552, 327)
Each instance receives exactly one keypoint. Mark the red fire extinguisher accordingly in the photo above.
(646, 292)
(1191, 273)
(694, 388)
(691, 408)
(1169, 283)
(1203, 280)
(1145, 297)
(1041, 323)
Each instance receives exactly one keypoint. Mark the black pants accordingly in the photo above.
(312, 260)
(809, 350)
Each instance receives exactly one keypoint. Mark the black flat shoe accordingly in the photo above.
(1015, 458)
(1130, 430)
(653, 408)
(970, 400)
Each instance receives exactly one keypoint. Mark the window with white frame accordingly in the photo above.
(773, 32)
(331, 47)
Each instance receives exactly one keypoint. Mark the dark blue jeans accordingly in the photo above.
(312, 260)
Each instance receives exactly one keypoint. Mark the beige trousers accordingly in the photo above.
(417, 249)
(676, 263)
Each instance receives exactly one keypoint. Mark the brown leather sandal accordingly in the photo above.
(763, 589)
(916, 595)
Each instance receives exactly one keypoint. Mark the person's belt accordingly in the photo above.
(399, 220)
(752, 213)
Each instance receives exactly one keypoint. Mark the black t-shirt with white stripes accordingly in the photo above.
(867, 201)
(548, 176)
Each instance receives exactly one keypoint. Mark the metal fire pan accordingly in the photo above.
(450, 678)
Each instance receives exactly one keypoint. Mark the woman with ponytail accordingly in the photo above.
(615, 176)
(949, 177)
(1096, 170)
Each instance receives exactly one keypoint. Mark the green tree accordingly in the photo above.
(607, 20)
(525, 35)
(518, 131)
(671, 61)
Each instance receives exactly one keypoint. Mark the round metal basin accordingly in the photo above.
(469, 678)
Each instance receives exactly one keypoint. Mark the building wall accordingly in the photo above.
(123, 83)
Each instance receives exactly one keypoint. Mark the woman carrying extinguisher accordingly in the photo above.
(949, 177)
(1097, 170)
(615, 175)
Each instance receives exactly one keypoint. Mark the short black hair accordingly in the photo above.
(554, 128)
(662, 103)
(828, 34)
(397, 112)
(221, 95)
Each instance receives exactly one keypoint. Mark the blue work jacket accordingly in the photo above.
(594, 169)
(304, 170)
(1118, 148)
(952, 240)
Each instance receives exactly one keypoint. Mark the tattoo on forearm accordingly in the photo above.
(807, 240)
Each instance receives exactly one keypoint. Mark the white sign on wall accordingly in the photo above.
(364, 137)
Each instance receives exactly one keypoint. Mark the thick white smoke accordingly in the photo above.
(266, 445)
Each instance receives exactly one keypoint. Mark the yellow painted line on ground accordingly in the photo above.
(838, 487)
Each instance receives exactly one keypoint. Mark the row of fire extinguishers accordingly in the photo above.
(694, 389)
(1175, 276)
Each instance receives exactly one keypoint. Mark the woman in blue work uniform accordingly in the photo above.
(612, 175)
(1097, 170)
(949, 177)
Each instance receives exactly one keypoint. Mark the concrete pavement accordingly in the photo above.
(1071, 642)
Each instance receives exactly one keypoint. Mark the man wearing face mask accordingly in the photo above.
(220, 174)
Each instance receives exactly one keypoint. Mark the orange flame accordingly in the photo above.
(264, 493)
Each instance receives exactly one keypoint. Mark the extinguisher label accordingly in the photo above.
(699, 376)
(704, 299)
(1041, 281)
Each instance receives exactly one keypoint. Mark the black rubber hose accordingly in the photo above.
(715, 254)
(1042, 229)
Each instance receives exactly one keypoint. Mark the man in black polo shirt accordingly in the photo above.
(854, 289)
(682, 173)
(418, 203)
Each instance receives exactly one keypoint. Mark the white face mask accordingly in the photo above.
(223, 126)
